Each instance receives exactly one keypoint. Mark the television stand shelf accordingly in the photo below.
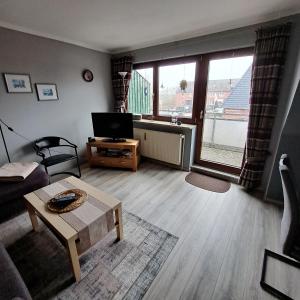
(111, 154)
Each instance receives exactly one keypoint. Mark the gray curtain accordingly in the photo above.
(269, 57)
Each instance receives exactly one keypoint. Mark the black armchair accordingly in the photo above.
(43, 148)
(290, 227)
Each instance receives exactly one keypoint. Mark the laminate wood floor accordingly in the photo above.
(222, 237)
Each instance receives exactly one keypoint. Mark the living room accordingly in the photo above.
(173, 136)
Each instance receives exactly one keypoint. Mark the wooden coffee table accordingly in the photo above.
(81, 228)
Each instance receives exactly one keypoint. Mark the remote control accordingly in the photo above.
(63, 204)
(65, 197)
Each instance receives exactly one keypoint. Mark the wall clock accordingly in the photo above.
(87, 75)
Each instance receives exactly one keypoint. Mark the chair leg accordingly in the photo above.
(78, 166)
(267, 287)
(46, 170)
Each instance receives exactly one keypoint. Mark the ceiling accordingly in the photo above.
(121, 25)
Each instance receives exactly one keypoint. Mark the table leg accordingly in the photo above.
(33, 218)
(134, 159)
(74, 259)
(119, 222)
(89, 153)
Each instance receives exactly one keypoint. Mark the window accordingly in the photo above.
(176, 90)
(140, 95)
(162, 89)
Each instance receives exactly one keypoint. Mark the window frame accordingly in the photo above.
(201, 78)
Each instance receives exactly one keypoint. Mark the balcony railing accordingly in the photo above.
(140, 95)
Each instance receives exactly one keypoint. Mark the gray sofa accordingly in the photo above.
(12, 202)
(11, 193)
(12, 285)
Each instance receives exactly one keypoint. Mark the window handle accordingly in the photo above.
(201, 114)
(145, 136)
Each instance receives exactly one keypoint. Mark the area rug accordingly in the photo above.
(208, 183)
(109, 270)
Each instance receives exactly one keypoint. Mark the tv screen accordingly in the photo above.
(113, 125)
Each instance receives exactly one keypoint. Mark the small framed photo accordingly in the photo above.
(46, 91)
(17, 83)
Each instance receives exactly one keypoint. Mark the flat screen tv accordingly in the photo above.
(115, 126)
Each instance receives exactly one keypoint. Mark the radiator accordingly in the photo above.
(163, 146)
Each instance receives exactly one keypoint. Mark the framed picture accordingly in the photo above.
(46, 91)
(17, 83)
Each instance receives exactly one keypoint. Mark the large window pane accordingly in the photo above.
(176, 90)
(227, 110)
(140, 100)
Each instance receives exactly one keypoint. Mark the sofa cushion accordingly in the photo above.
(11, 282)
(9, 191)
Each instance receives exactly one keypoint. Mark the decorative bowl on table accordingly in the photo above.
(80, 197)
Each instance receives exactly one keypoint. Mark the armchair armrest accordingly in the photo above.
(70, 144)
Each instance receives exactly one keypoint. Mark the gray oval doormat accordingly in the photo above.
(208, 183)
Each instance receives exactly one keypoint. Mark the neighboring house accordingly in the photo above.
(217, 91)
(236, 105)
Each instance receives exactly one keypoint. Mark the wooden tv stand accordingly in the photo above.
(103, 157)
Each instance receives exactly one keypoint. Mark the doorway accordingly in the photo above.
(223, 114)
